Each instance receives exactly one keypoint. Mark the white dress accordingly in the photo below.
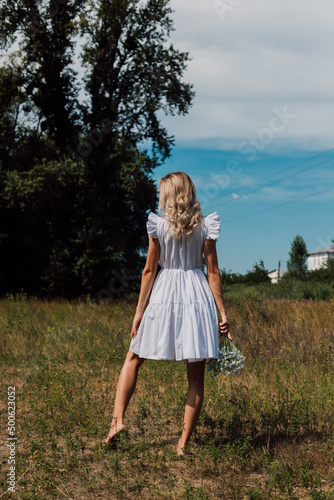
(180, 321)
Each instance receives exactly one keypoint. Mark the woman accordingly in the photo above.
(180, 322)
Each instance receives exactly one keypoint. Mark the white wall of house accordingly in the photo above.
(318, 260)
(273, 275)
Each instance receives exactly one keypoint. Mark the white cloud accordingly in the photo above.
(263, 55)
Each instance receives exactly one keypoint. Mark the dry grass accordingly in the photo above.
(267, 434)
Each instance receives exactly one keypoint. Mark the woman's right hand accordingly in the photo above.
(136, 322)
(224, 329)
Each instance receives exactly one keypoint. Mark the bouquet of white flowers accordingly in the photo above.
(230, 359)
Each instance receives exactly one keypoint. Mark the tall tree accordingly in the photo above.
(74, 223)
(132, 73)
(48, 90)
(297, 263)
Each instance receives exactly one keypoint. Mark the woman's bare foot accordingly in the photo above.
(115, 429)
(180, 449)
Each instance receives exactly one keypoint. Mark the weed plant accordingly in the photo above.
(264, 434)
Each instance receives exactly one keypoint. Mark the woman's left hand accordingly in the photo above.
(136, 322)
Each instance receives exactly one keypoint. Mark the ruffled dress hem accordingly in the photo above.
(180, 322)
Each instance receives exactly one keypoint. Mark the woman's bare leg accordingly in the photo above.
(125, 388)
(196, 372)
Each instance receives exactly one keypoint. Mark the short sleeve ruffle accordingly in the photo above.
(152, 225)
(212, 223)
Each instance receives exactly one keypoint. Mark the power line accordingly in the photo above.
(270, 176)
(277, 182)
(279, 205)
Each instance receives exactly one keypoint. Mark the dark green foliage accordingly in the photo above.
(43, 89)
(258, 274)
(132, 73)
(67, 221)
(229, 278)
(297, 263)
(294, 289)
(75, 181)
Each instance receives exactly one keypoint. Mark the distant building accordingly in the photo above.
(319, 258)
(276, 275)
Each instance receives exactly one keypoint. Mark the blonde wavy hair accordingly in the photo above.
(178, 202)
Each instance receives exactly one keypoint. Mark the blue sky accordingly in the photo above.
(258, 141)
(259, 219)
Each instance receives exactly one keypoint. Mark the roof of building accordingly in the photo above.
(323, 250)
(282, 271)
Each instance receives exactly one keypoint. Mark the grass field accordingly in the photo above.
(266, 434)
